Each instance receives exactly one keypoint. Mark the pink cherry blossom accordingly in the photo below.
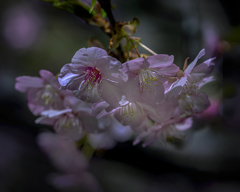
(193, 77)
(42, 93)
(193, 104)
(108, 139)
(150, 74)
(93, 76)
(74, 120)
(129, 112)
(189, 82)
(169, 130)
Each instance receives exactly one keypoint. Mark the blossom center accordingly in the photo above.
(69, 122)
(131, 112)
(93, 78)
(191, 104)
(146, 78)
(193, 84)
(48, 95)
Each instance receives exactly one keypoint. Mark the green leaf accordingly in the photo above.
(104, 14)
(93, 2)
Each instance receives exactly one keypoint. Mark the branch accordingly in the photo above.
(106, 5)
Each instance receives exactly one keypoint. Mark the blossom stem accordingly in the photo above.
(149, 50)
(135, 48)
(127, 50)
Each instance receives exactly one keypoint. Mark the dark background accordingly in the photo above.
(34, 35)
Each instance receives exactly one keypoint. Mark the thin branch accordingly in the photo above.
(135, 48)
(106, 5)
(127, 50)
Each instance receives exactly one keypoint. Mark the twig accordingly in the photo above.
(127, 50)
(135, 48)
(106, 5)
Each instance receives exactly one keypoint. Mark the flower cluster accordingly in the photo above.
(150, 95)
(69, 116)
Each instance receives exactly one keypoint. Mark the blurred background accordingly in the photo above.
(35, 35)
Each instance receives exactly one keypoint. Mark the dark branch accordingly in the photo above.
(106, 5)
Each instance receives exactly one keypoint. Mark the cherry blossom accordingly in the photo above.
(167, 131)
(93, 76)
(42, 93)
(75, 120)
(150, 74)
(192, 77)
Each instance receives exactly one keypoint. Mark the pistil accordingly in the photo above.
(48, 95)
(93, 78)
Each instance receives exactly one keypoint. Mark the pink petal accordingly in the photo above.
(192, 65)
(203, 66)
(151, 111)
(110, 92)
(91, 124)
(133, 66)
(25, 82)
(168, 71)
(140, 137)
(74, 133)
(71, 76)
(167, 109)
(35, 105)
(119, 132)
(55, 113)
(132, 89)
(161, 60)
(50, 78)
(150, 140)
(104, 122)
(88, 57)
(110, 69)
(205, 81)
(177, 87)
(99, 107)
(93, 97)
(204, 69)
(135, 122)
(77, 106)
(153, 94)
(202, 101)
(184, 125)
(105, 114)
(45, 121)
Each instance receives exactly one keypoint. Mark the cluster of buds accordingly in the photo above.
(99, 96)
